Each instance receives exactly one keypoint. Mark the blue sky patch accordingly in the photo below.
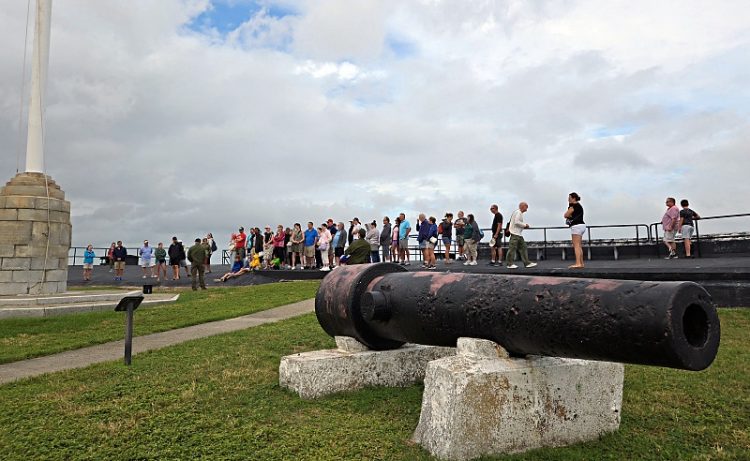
(609, 131)
(226, 15)
(400, 47)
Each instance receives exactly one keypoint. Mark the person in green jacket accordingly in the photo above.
(160, 255)
(197, 256)
(359, 250)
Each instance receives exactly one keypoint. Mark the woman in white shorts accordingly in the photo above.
(574, 220)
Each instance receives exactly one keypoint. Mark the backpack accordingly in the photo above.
(440, 229)
(213, 246)
(507, 229)
(481, 234)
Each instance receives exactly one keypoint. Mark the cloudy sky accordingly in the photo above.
(188, 116)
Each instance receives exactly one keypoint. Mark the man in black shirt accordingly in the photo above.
(496, 250)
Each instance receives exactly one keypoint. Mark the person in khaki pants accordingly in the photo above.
(516, 228)
(197, 256)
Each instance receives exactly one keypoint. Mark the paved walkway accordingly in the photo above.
(80, 358)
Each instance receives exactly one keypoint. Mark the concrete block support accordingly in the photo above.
(481, 402)
(352, 366)
(35, 234)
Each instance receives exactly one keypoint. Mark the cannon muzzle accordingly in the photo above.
(669, 324)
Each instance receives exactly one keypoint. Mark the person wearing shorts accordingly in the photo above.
(460, 239)
(146, 253)
(119, 255)
(496, 250)
(446, 232)
(88, 262)
(160, 256)
(574, 219)
(669, 223)
(687, 216)
(311, 240)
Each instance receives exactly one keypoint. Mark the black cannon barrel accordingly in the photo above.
(670, 324)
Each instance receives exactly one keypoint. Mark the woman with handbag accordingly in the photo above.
(574, 219)
(432, 239)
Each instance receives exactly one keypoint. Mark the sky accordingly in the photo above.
(181, 117)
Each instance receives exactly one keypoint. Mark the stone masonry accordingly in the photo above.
(35, 235)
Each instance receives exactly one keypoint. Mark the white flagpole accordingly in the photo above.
(35, 139)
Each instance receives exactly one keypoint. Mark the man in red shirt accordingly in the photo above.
(669, 224)
(240, 240)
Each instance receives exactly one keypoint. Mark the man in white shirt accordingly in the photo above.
(517, 243)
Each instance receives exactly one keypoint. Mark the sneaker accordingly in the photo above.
(674, 256)
(530, 265)
(491, 263)
(467, 263)
(431, 267)
(473, 263)
(407, 263)
(143, 277)
(512, 266)
(325, 269)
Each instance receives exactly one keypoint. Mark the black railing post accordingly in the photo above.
(697, 238)
(637, 242)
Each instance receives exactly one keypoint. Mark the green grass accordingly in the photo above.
(24, 338)
(218, 398)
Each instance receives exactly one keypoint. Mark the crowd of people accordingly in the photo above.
(329, 245)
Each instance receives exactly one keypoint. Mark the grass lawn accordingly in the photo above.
(218, 398)
(24, 338)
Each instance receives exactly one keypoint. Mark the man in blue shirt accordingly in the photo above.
(403, 240)
(311, 239)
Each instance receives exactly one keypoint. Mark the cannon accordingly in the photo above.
(669, 324)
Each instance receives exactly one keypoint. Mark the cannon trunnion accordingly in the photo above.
(670, 324)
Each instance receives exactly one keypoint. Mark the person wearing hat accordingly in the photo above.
(239, 239)
(197, 256)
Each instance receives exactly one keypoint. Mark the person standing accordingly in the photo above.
(267, 247)
(574, 219)
(385, 239)
(373, 238)
(669, 223)
(311, 240)
(278, 241)
(119, 254)
(258, 242)
(324, 244)
(197, 257)
(176, 253)
(146, 253)
(212, 248)
(297, 239)
(111, 257)
(517, 242)
(446, 232)
(687, 216)
(496, 246)
(338, 243)
(404, 229)
(160, 256)
(459, 226)
(471, 240)
(394, 239)
(239, 239)
(423, 234)
(88, 262)
(432, 239)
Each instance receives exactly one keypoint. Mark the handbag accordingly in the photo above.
(507, 229)
(433, 240)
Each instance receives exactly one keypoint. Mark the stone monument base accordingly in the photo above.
(481, 402)
(35, 235)
(353, 366)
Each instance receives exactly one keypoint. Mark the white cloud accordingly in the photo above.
(155, 128)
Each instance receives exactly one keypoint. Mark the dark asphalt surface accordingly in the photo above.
(724, 268)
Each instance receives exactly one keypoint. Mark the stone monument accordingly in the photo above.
(35, 230)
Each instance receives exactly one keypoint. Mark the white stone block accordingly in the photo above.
(319, 373)
(349, 344)
(475, 406)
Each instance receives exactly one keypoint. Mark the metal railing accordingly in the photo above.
(696, 226)
(642, 235)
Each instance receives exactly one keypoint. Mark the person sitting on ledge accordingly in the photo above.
(236, 270)
(359, 250)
